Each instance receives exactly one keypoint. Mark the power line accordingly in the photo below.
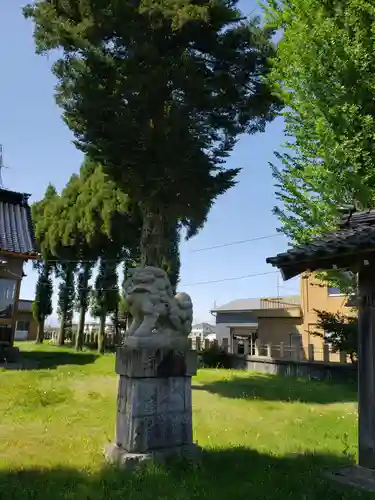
(230, 279)
(241, 242)
(246, 276)
(232, 243)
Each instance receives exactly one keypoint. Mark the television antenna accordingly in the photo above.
(1, 166)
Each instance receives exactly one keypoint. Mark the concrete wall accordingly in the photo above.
(313, 370)
(273, 330)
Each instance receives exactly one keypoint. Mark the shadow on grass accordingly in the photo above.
(238, 474)
(42, 360)
(278, 388)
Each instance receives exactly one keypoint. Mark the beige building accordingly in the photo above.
(294, 325)
(280, 321)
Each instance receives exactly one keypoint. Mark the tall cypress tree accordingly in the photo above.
(66, 297)
(42, 304)
(158, 92)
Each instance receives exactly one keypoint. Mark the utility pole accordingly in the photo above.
(2, 166)
(278, 287)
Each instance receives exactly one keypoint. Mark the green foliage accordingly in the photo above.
(42, 305)
(324, 72)
(171, 262)
(340, 331)
(83, 289)
(105, 296)
(106, 293)
(158, 93)
(215, 357)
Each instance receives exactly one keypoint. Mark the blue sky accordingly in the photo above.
(38, 149)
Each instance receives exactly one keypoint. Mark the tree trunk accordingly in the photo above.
(101, 334)
(61, 337)
(154, 237)
(81, 329)
(116, 326)
(83, 309)
(40, 333)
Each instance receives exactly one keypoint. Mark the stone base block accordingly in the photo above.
(8, 353)
(118, 456)
(157, 341)
(355, 476)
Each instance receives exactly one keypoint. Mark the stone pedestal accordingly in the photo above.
(154, 410)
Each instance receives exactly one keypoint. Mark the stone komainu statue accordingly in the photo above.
(153, 306)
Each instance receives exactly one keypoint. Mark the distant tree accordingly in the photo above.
(41, 216)
(158, 93)
(66, 297)
(105, 296)
(340, 331)
(42, 304)
(89, 217)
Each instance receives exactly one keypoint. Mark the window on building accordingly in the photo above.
(7, 297)
(334, 291)
(23, 326)
(241, 347)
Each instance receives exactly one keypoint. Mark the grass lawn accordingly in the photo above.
(264, 437)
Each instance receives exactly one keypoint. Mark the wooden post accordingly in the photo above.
(225, 344)
(190, 342)
(269, 350)
(294, 353)
(215, 343)
(325, 353)
(246, 347)
(281, 350)
(343, 357)
(257, 348)
(206, 344)
(311, 353)
(197, 344)
(366, 368)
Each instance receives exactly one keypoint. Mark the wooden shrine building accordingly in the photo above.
(17, 245)
(350, 247)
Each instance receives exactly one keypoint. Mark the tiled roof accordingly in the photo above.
(245, 305)
(354, 235)
(239, 305)
(16, 229)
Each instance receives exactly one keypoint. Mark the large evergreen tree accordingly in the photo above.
(158, 93)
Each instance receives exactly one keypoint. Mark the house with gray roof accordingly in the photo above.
(238, 320)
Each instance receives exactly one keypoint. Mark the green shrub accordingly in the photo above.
(215, 357)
